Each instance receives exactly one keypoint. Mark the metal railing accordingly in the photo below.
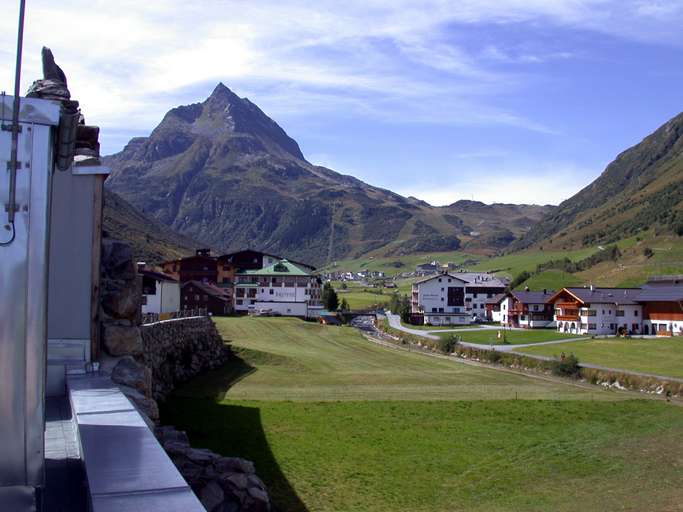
(151, 318)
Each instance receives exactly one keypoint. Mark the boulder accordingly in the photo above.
(133, 374)
(234, 465)
(121, 298)
(145, 405)
(120, 340)
(212, 496)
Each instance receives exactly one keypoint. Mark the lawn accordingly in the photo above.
(517, 337)
(551, 280)
(440, 327)
(335, 423)
(662, 356)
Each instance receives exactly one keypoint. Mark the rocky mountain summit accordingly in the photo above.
(223, 173)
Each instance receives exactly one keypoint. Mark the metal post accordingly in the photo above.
(12, 205)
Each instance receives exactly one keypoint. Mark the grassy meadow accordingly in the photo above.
(517, 337)
(335, 423)
(661, 356)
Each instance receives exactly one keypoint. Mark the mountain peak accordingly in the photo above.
(223, 92)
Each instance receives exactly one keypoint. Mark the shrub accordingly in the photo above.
(648, 252)
(566, 366)
(448, 345)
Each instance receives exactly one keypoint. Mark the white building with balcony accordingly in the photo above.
(282, 288)
(454, 298)
(594, 311)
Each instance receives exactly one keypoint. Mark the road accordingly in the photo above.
(395, 323)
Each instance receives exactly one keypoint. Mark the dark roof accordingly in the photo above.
(496, 298)
(443, 274)
(661, 293)
(606, 295)
(532, 297)
(210, 289)
(158, 276)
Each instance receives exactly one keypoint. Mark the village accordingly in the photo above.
(261, 284)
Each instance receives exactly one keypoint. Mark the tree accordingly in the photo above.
(329, 297)
(344, 306)
(405, 309)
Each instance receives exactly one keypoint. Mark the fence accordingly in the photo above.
(150, 318)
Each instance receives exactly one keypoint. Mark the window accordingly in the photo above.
(439, 279)
(635, 313)
(449, 280)
(441, 289)
(535, 307)
(206, 298)
(620, 312)
(239, 302)
(440, 310)
(272, 291)
(196, 297)
(433, 310)
(591, 327)
(441, 299)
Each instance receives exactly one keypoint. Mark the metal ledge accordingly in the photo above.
(126, 467)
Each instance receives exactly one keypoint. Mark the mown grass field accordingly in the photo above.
(335, 423)
(661, 356)
(517, 337)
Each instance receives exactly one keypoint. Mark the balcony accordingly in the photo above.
(564, 318)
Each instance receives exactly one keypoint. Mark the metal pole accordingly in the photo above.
(15, 118)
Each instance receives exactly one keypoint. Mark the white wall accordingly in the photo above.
(283, 308)
(165, 300)
(434, 294)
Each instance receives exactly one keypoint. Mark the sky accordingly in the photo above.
(513, 101)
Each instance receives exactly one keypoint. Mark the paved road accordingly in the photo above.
(395, 322)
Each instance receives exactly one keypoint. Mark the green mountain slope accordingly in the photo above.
(151, 241)
(224, 173)
(641, 189)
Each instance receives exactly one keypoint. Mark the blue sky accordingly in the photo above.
(494, 100)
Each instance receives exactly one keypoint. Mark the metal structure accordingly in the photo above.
(24, 243)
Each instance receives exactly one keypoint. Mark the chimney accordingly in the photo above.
(141, 266)
(591, 287)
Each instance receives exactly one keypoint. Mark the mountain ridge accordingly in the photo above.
(642, 188)
(224, 173)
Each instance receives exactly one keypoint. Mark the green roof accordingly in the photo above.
(280, 268)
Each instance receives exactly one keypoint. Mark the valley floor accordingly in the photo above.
(335, 423)
(659, 356)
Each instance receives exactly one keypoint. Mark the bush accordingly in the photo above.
(566, 366)
(448, 345)
(648, 252)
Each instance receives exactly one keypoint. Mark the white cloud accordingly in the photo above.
(130, 61)
(548, 183)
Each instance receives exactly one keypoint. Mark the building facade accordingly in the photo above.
(662, 301)
(454, 298)
(525, 309)
(160, 293)
(593, 311)
(199, 295)
(282, 288)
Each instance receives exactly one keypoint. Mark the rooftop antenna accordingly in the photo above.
(14, 164)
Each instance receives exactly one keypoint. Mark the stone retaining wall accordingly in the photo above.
(148, 361)
(177, 350)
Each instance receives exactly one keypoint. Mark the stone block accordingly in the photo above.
(121, 340)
